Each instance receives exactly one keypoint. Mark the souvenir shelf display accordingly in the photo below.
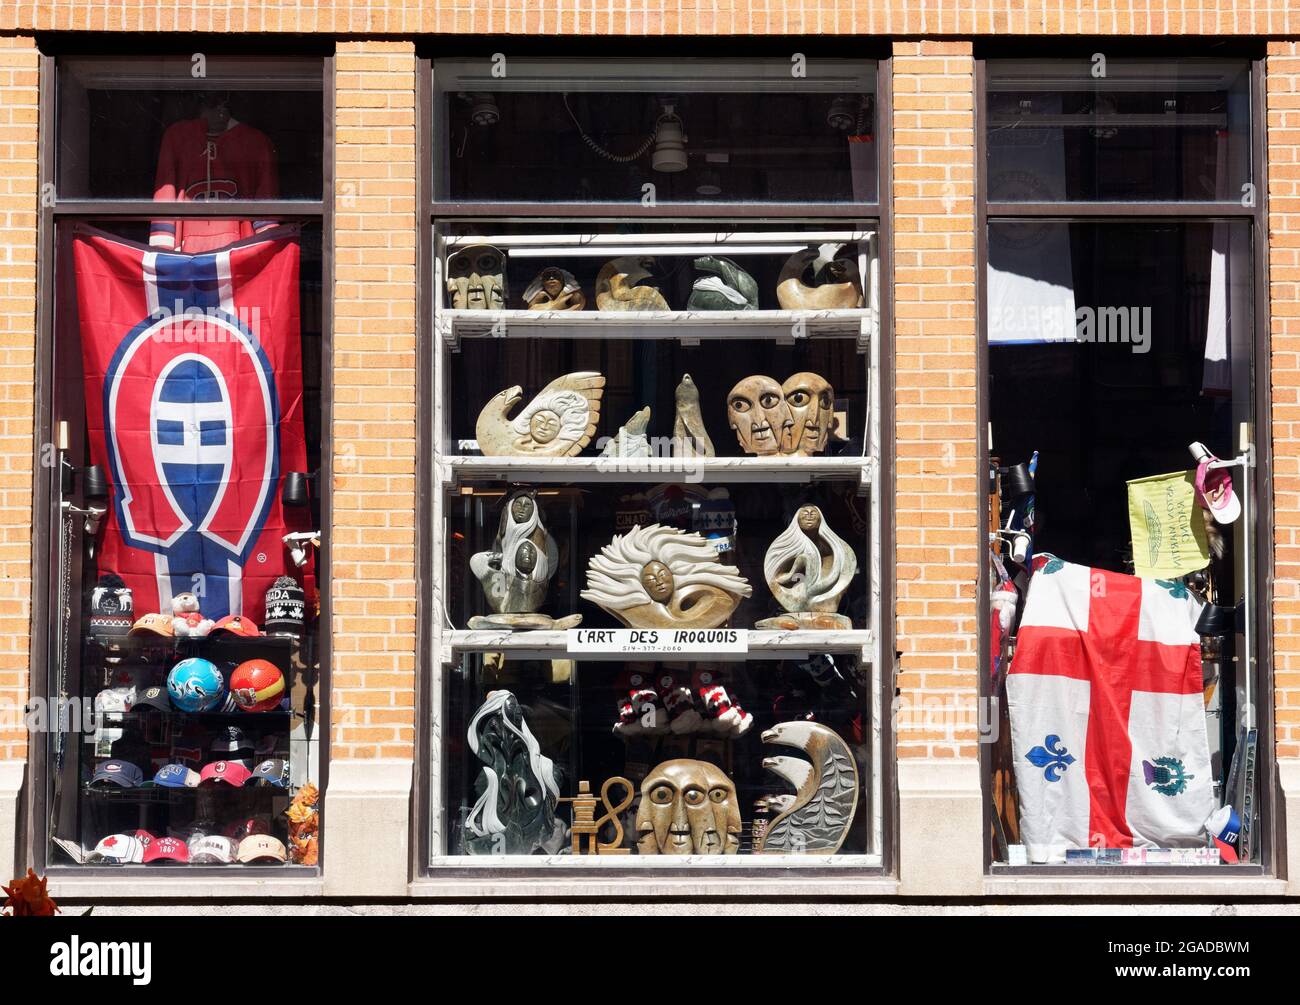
(635, 364)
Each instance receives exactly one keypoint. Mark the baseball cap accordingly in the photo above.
(122, 773)
(121, 848)
(261, 848)
(250, 825)
(113, 700)
(153, 697)
(230, 772)
(156, 624)
(166, 849)
(236, 624)
(214, 848)
(231, 740)
(176, 776)
(271, 772)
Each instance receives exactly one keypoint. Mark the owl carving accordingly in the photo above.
(558, 422)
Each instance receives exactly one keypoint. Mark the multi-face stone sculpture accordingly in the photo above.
(661, 577)
(808, 569)
(688, 808)
(722, 286)
(833, 272)
(619, 286)
(517, 571)
(559, 422)
(817, 820)
(518, 787)
(554, 289)
(476, 278)
(791, 419)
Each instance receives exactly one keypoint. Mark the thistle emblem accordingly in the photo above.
(1166, 775)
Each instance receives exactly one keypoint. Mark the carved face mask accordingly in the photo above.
(811, 401)
(688, 808)
(757, 412)
(476, 279)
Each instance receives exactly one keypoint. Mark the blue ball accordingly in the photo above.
(196, 685)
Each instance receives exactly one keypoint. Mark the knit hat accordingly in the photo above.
(111, 610)
(286, 608)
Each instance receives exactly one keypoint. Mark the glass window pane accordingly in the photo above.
(168, 128)
(1103, 372)
(667, 131)
(188, 391)
(1118, 130)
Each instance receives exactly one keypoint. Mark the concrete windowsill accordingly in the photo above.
(649, 886)
(1134, 886)
(178, 887)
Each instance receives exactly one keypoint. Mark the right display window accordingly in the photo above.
(1127, 691)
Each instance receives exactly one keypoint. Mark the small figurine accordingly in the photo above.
(554, 289)
(725, 286)
(818, 819)
(586, 825)
(518, 786)
(661, 577)
(559, 422)
(618, 286)
(476, 278)
(515, 574)
(631, 439)
(690, 438)
(836, 281)
(808, 569)
(187, 622)
(688, 808)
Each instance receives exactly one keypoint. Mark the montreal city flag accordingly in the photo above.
(1107, 716)
(193, 370)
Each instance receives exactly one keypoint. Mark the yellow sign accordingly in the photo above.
(1168, 529)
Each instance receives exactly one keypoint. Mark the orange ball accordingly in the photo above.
(258, 686)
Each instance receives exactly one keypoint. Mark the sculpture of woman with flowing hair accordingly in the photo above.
(517, 785)
(662, 577)
(808, 568)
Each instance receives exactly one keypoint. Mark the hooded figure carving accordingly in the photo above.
(688, 808)
(808, 568)
(518, 787)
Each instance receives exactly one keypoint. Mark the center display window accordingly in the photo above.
(656, 535)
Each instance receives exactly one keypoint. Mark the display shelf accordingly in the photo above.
(167, 794)
(692, 470)
(687, 326)
(763, 645)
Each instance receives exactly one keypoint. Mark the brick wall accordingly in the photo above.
(1283, 85)
(936, 432)
(18, 204)
(373, 532)
(495, 18)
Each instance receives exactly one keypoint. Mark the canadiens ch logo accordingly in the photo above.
(192, 432)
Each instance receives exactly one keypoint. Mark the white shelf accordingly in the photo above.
(689, 327)
(762, 645)
(684, 470)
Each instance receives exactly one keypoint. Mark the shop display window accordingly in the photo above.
(1124, 515)
(185, 647)
(656, 444)
(672, 131)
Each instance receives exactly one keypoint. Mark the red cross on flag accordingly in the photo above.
(1107, 716)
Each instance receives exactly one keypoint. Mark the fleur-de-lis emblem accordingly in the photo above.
(1052, 757)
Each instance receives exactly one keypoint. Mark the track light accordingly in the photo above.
(483, 110)
(670, 142)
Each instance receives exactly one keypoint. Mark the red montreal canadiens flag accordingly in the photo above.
(1107, 715)
(193, 369)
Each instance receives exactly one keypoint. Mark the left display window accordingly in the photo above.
(184, 651)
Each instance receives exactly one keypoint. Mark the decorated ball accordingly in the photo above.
(258, 686)
(196, 685)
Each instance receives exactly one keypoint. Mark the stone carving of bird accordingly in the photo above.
(558, 422)
(826, 787)
(617, 286)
